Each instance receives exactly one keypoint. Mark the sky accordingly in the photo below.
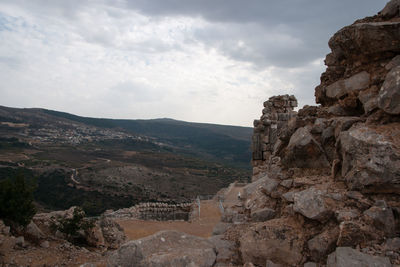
(213, 61)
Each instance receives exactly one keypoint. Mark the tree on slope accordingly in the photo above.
(16, 200)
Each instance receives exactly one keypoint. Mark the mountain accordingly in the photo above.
(108, 164)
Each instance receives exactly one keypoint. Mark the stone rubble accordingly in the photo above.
(326, 179)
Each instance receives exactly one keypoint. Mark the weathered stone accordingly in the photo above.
(45, 244)
(366, 38)
(382, 217)
(272, 264)
(4, 229)
(166, 248)
(289, 196)
(348, 257)
(94, 236)
(353, 233)
(310, 264)
(20, 242)
(277, 240)
(33, 232)
(112, 232)
(304, 151)
(220, 228)
(347, 215)
(393, 63)
(391, 9)
(389, 95)
(343, 124)
(370, 159)
(358, 81)
(265, 184)
(311, 204)
(392, 244)
(262, 215)
(225, 250)
(323, 244)
(287, 183)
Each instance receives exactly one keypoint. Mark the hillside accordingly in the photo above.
(109, 164)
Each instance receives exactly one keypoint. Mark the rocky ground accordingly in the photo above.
(326, 179)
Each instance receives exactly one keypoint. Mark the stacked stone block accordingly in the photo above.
(278, 110)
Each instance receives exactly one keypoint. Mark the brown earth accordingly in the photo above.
(209, 216)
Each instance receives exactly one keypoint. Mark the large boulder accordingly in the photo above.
(381, 217)
(264, 184)
(33, 232)
(371, 158)
(304, 151)
(311, 203)
(323, 244)
(225, 249)
(348, 257)
(389, 95)
(112, 232)
(366, 39)
(279, 240)
(342, 87)
(166, 248)
(262, 215)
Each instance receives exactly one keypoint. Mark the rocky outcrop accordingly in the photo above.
(326, 180)
(348, 257)
(166, 248)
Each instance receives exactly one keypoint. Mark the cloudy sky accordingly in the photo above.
(196, 60)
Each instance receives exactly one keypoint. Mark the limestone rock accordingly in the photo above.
(323, 244)
(264, 184)
(5, 230)
(220, 228)
(353, 233)
(391, 9)
(347, 215)
(311, 204)
(225, 250)
(304, 151)
(389, 95)
(382, 217)
(277, 240)
(165, 248)
(112, 232)
(370, 159)
(33, 232)
(262, 215)
(358, 81)
(348, 257)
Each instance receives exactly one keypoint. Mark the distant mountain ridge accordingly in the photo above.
(229, 144)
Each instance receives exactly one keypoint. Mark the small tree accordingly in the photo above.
(16, 200)
(71, 227)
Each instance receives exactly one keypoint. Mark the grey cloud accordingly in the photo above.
(133, 92)
(311, 22)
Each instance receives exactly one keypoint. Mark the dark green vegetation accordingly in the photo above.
(71, 227)
(101, 164)
(16, 199)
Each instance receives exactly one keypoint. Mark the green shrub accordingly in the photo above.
(16, 200)
(73, 227)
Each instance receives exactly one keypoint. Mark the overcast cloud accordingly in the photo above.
(196, 60)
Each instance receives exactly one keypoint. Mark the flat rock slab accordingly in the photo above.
(348, 257)
(165, 248)
(311, 204)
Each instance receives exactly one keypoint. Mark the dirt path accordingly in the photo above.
(203, 226)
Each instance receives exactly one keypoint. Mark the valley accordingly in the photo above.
(91, 163)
